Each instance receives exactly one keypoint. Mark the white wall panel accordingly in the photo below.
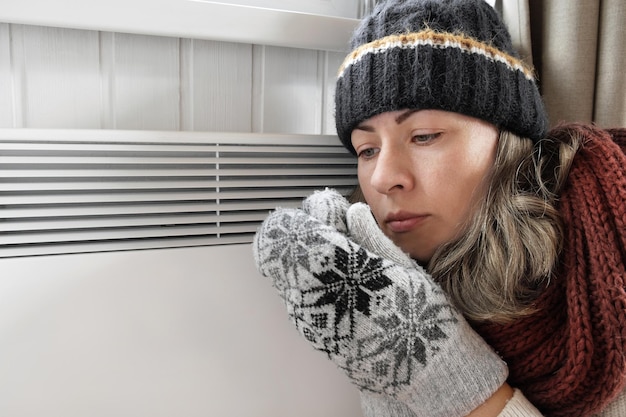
(58, 77)
(217, 86)
(6, 85)
(66, 78)
(107, 80)
(146, 82)
(333, 62)
(290, 91)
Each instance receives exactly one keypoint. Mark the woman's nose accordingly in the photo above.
(393, 171)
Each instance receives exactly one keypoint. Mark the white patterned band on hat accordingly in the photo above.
(436, 40)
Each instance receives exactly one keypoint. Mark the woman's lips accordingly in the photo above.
(402, 222)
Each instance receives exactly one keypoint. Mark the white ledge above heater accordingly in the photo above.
(197, 19)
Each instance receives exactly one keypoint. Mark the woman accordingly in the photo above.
(523, 229)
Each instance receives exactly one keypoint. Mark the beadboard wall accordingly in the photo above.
(68, 78)
(170, 332)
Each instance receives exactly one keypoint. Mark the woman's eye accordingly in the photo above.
(425, 138)
(368, 153)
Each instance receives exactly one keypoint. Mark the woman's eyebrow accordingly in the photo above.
(401, 118)
(365, 128)
(405, 115)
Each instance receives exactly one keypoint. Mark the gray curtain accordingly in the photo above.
(578, 48)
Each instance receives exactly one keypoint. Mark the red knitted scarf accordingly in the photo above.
(569, 359)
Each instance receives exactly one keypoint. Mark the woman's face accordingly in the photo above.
(422, 172)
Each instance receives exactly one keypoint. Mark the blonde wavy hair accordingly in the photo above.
(509, 248)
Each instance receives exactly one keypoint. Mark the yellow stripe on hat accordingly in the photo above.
(436, 40)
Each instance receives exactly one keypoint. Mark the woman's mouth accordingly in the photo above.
(403, 222)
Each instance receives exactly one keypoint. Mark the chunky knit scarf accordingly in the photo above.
(569, 359)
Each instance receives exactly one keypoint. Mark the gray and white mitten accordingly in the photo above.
(383, 321)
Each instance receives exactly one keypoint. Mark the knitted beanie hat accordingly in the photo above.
(453, 55)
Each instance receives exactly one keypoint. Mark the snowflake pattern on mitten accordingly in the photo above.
(364, 311)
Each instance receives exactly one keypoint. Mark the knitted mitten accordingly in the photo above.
(379, 318)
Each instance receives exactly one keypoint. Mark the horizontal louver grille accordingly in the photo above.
(73, 191)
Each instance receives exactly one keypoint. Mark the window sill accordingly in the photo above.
(188, 19)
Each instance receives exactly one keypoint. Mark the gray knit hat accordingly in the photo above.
(453, 55)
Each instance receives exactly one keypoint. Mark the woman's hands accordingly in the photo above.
(377, 314)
